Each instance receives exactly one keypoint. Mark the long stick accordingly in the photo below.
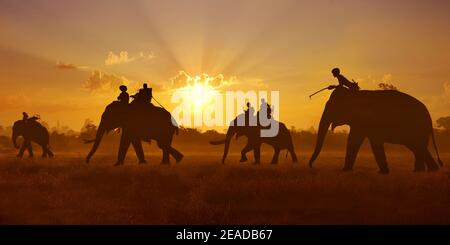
(159, 103)
(318, 92)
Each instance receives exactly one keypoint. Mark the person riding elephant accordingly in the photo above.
(282, 140)
(31, 131)
(343, 81)
(144, 95)
(382, 116)
(264, 115)
(264, 108)
(249, 113)
(138, 121)
(25, 117)
(124, 97)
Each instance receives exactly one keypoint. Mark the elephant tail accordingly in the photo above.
(218, 142)
(88, 141)
(435, 148)
(177, 131)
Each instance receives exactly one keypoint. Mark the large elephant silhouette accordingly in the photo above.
(31, 131)
(138, 122)
(282, 140)
(382, 116)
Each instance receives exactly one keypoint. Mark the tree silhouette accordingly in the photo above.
(88, 130)
(444, 122)
(387, 86)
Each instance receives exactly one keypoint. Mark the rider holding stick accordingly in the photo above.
(343, 82)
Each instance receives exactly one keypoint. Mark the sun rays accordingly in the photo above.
(201, 89)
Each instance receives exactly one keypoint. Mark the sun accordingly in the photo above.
(199, 92)
(202, 94)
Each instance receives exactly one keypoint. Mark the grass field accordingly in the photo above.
(200, 190)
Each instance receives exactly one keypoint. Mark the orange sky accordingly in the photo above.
(63, 59)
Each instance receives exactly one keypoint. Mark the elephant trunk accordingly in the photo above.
(323, 129)
(231, 131)
(14, 139)
(98, 138)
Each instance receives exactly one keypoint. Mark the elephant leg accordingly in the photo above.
(44, 151)
(380, 155)
(29, 149)
(166, 154)
(244, 151)
(430, 162)
(293, 155)
(419, 164)
(137, 145)
(257, 153)
(49, 152)
(419, 161)
(21, 151)
(123, 148)
(354, 142)
(165, 149)
(276, 155)
(176, 154)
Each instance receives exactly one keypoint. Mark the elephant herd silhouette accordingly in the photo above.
(382, 116)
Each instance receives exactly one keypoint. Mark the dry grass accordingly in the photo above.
(200, 190)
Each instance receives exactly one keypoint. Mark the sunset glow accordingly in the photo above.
(252, 116)
(200, 92)
(64, 62)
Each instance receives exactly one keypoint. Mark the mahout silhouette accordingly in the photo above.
(343, 81)
(382, 116)
(282, 140)
(31, 131)
(123, 97)
(139, 121)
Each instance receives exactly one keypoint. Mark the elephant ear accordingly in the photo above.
(333, 126)
(337, 124)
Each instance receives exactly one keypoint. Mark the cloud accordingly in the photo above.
(67, 66)
(115, 59)
(64, 66)
(180, 80)
(217, 81)
(373, 82)
(183, 79)
(123, 57)
(257, 83)
(146, 56)
(100, 81)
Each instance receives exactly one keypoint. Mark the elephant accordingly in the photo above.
(382, 116)
(282, 140)
(31, 131)
(138, 122)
